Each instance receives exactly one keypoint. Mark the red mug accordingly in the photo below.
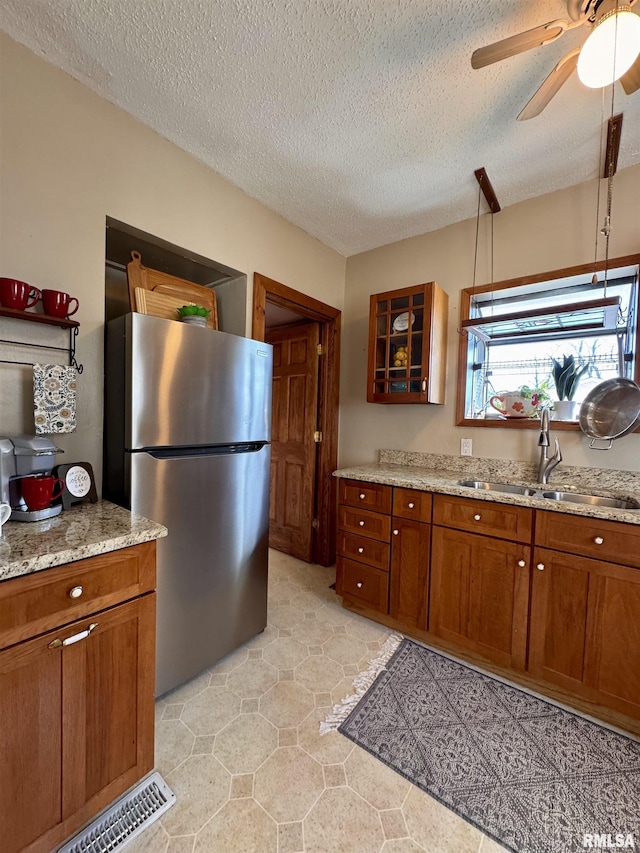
(38, 492)
(57, 304)
(17, 294)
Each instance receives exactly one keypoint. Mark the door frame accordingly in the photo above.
(267, 290)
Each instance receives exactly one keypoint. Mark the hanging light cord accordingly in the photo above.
(475, 255)
(492, 215)
(606, 230)
(601, 155)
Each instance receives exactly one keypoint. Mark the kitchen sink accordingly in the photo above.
(592, 500)
(569, 497)
(506, 488)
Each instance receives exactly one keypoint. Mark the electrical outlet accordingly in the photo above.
(466, 447)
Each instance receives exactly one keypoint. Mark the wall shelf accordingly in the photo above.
(61, 322)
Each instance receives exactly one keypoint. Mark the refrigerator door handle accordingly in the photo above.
(203, 450)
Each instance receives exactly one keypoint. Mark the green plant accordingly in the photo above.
(566, 376)
(538, 394)
(192, 310)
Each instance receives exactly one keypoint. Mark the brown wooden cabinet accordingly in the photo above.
(480, 594)
(383, 560)
(534, 594)
(585, 623)
(364, 529)
(407, 345)
(409, 591)
(76, 699)
(410, 557)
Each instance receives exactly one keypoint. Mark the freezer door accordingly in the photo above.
(212, 567)
(192, 386)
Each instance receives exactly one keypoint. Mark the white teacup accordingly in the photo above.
(5, 512)
(514, 405)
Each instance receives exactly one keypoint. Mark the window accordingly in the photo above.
(511, 331)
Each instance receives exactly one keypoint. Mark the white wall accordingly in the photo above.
(543, 234)
(68, 159)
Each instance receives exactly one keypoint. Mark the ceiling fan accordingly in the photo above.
(611, 23)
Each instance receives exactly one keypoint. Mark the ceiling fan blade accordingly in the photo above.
(551, 86)
(631, 80)
(514, 45)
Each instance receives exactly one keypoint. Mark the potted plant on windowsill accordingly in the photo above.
(566, 377)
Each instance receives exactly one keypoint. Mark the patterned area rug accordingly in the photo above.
(536, 778)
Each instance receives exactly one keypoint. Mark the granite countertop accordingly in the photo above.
(82, 531)
(432, 472)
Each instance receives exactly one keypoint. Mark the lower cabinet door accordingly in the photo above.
(108, 705)
(76, 723)
(585, 628)
(30, 742)
(409, 583)
(479, 594)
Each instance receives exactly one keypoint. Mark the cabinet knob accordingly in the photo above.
(395, 532)
(540, 567)
(598, 540)
(360, 550)
(411, 505)
(424, 385)
(362, 496)
(359, 584)
(361, 523)
(522, 564)
(477, 516)
(75, 592)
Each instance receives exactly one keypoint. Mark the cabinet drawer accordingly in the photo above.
(590, 537)
(411, 503)
(374, 525)
(41, 601)
(491, 519)
(370, 551)
(363, 584)
(368, 495)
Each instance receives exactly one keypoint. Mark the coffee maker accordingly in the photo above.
(23, 456)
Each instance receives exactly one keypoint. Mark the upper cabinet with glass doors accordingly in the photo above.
(407, 345)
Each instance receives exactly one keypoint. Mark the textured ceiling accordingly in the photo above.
(361, 121)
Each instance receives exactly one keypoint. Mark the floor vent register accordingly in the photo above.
(125, 819)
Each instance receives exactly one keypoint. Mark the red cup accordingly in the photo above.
(17, 294)
(38, 492)
(57, 304)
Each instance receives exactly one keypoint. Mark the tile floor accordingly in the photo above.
(239, 745)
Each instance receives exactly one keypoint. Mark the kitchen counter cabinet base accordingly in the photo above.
(78, 718)
(585, 628)
(494, 584)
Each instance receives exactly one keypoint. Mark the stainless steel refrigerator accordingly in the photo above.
(187, 430)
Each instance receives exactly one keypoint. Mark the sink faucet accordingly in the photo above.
(547, 463)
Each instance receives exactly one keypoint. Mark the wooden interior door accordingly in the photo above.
(293, 445)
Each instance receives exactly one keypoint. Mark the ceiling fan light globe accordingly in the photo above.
(615, 40)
